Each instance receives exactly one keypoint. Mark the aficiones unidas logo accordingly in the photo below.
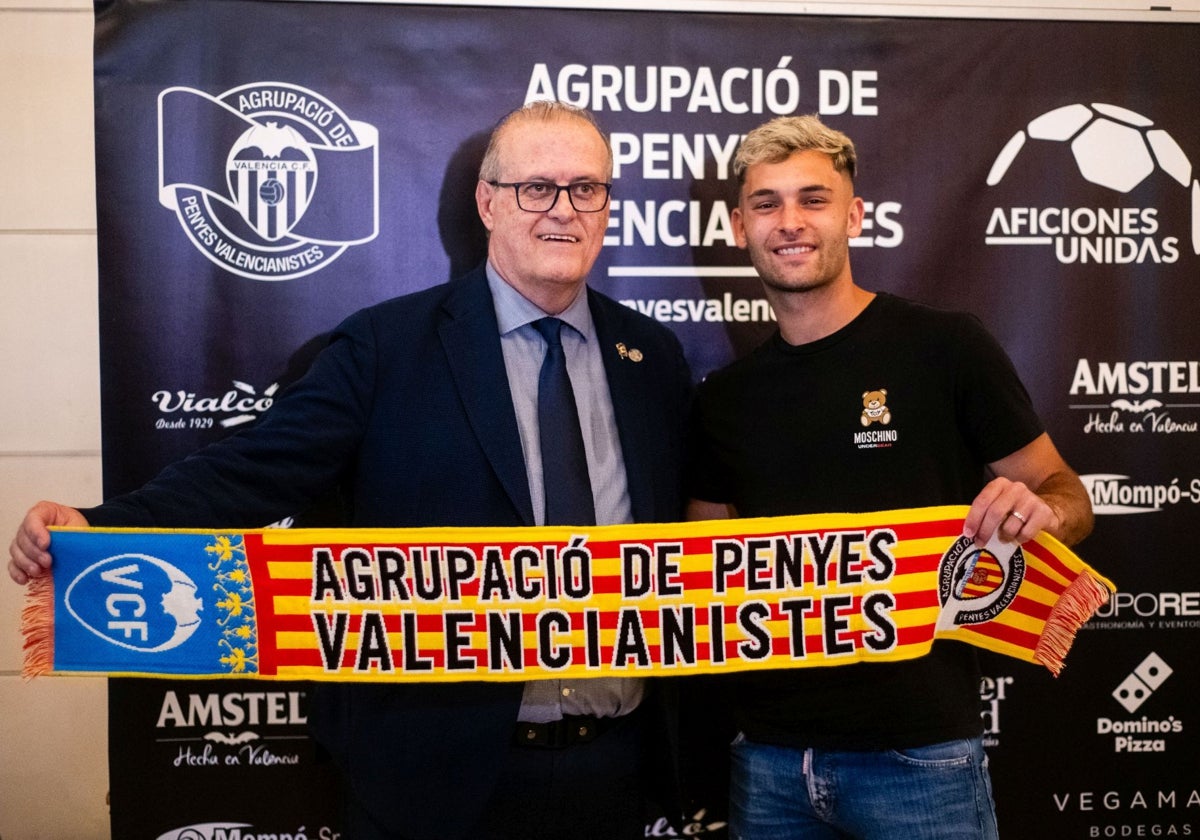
(1118, 150)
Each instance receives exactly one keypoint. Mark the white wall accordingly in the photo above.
(53, 732)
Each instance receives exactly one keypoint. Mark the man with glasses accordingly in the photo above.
(432, 410)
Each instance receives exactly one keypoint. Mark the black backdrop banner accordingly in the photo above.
(265, 168)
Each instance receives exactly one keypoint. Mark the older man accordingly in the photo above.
(428, 410)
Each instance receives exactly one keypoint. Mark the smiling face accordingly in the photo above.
(796, 217)
(545, 256)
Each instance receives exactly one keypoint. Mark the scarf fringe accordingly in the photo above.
(37, 626)
(1075, 606)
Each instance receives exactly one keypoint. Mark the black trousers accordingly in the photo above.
(591, 791)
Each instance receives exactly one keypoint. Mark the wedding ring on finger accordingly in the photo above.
(1019, 517)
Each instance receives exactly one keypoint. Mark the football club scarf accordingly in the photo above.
(445, 604)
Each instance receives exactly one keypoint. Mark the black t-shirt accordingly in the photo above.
(904, 407)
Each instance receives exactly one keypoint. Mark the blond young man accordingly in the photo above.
(871, 751)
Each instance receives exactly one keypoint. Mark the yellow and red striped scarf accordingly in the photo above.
(438, 604)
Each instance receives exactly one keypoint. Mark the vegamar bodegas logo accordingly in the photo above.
(269, 180)
(1114, 148)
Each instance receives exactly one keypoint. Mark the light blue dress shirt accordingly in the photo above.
(524, 348)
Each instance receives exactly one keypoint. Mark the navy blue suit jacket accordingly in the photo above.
(408, 411)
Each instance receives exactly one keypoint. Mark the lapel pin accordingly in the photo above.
(634, 355)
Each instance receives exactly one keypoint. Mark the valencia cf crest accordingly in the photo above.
(272, 175)
(977, 584)
(270, 181)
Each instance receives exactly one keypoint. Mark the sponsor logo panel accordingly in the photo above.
(1139, 397)
(1117, 150)
(241, 403)
(270, 180)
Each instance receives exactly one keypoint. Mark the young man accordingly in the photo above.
(864, 750)
(425, 410)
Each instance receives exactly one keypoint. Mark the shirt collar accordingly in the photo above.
(514, 310)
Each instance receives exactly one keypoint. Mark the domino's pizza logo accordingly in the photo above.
(270, 181)
(1125, 154)
(1143, 681)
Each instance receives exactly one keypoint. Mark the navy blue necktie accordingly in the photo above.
(565, 480)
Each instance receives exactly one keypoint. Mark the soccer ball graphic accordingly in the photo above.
(1113, 147)
(272, 192)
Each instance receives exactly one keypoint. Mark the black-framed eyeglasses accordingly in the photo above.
(540, 196)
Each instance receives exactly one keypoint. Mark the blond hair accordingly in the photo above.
(782, 137)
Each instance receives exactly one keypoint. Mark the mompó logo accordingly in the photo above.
(206, 831)
(1115, 494)
(269, 180)
(136, 602)
(1115, 148)
(1139, 685)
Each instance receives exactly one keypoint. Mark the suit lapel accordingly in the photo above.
(471, 339)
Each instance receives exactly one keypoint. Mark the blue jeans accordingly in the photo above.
(936, 792)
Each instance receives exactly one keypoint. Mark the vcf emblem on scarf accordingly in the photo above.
(554, 602)
(976, 584)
